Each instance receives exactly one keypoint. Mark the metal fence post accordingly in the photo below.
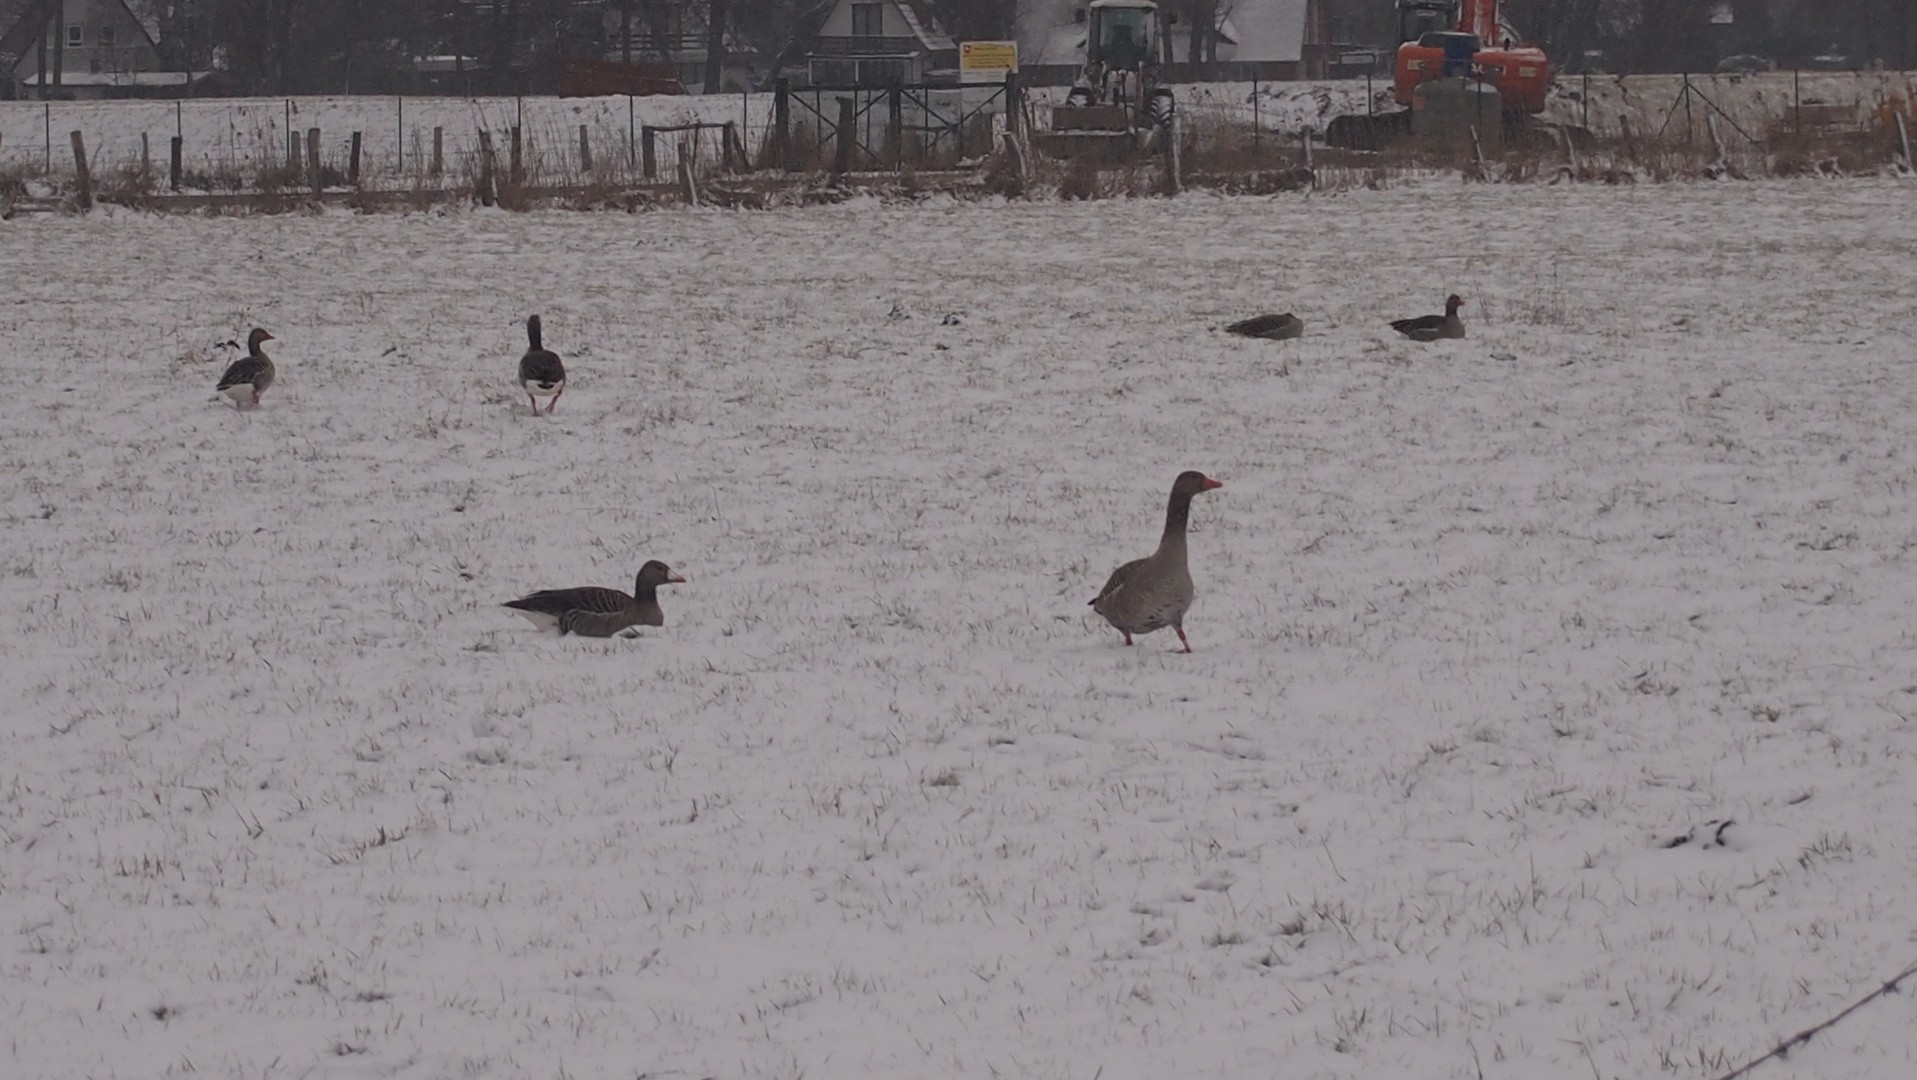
(782, 123)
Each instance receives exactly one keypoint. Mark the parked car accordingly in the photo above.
(1744, 63)
(1831, 62)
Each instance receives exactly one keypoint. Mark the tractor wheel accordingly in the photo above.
(1160, 107)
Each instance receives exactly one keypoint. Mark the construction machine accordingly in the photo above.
(1467, 40)
(1117, 91)
(1478, 44)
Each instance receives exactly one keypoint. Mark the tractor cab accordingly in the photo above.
(1120, 34)
(1416, 18)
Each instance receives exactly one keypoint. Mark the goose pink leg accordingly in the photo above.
(1183, 638)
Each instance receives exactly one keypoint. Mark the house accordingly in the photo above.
(881, 42)
(1264, 39)
(82, 49)
(678, 33)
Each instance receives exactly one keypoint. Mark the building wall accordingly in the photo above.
(109, 39)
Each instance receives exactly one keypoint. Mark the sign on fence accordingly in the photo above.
(987, 61)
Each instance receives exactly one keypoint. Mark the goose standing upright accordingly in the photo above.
(540, 371)
(592, 611)
(1272, 327)
(1155, 592)
(1433, 327)
(250, 375)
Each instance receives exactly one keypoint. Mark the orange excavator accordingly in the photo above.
(1448, 39)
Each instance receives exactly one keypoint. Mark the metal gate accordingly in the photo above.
(886, 128)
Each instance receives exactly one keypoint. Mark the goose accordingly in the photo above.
(595, 612)
(1272, 327)
(540, 371)
(1155, 592)
(249, 376)
(1433, 327)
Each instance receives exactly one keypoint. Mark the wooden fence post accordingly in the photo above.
(687, 185)
(585, 150)
(439, 151)
(844, 136)
(725, 140)
(352, 163)
(173, 166)
(518, 174)
(80, 170)
(649, 152)
(313, 161)
(487, 196)
(146, 161)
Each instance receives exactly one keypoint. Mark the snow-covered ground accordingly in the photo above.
(1492, 638)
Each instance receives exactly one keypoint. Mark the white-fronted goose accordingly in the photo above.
(1271, 327)
(595, 612)
(1155, 592)
(1433, 327)
(540, 371)
(250, 375)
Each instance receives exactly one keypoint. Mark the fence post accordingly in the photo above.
(632, 142)
(1630, 145)
(844, 136)
(687, 185)
(46, 118)
(782, 123)
(173, 167)
(1689, 124)
(146, 161)
(726, 135)
(487, 165)
(352, 163)
(1903, 135)
(1014, 104)
(399, 148)
(585, 151)
(1256, 115)
(313, 159)
(649, 152)
(294, 158)
(895, 126)
(517, 175)
(80, 170)
(439, 151)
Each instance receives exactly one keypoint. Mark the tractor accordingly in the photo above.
(1117, 92)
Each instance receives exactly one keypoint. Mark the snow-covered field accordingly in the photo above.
(1492, 638)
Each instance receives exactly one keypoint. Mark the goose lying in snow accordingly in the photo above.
(1155, 592)
(250, 375)
(540, 371)
(595, 612)
(1272, 327)
(1433, 327)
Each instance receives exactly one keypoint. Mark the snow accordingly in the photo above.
(1492, 637)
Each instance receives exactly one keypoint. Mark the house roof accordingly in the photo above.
(925, 24)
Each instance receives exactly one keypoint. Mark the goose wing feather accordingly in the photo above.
(595, 623)
(558, 602)
(246, 371)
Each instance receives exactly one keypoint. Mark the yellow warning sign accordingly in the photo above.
(984, 56)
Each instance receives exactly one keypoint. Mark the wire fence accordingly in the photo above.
(239, 139)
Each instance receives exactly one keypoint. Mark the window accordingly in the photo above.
(868, 20)
(76, 36)
(106, 36)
